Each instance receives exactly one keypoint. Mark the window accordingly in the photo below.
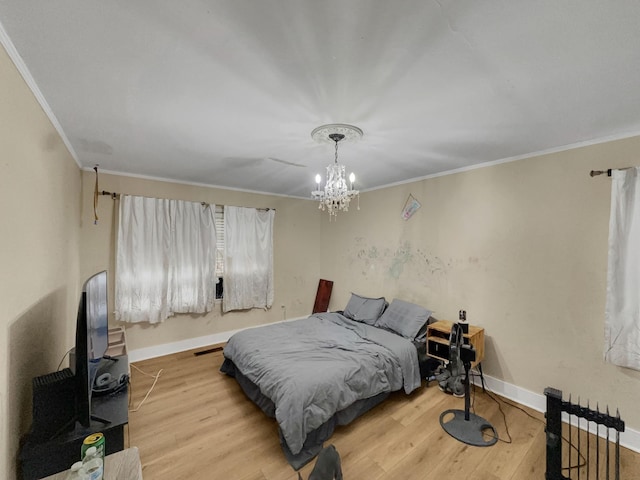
(165, 262)
(219, 222)
(248, 258)
(622, 325)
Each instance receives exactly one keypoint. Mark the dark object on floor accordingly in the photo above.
(328, 465)
(555, 407)
(210, 350)
(429, 366)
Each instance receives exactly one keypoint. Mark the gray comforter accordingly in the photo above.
(317, 366)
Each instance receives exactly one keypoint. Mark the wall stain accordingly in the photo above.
(401, 257)
(406, 263)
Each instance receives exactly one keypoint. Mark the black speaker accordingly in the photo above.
(54, 407)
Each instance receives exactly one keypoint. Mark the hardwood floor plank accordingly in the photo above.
(425, 457)
(499, 462)
(533, 464)
(393, 448)
(197, 423)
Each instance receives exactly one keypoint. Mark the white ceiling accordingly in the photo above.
(227, 92)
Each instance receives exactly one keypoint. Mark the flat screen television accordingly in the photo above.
(92, 339)
(62, 398)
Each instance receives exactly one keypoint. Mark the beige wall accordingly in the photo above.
(521, 246)
(296, 262)
(39, 243)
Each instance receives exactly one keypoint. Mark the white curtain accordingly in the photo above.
(622, 314)
(248, 260)
(165, 259)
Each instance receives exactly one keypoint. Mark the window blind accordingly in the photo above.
(219, 222)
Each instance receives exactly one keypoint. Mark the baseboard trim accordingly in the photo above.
(191, 343)
(630, 438)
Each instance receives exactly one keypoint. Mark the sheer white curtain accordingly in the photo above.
(622, 314)
(165, 259)
(248, 260)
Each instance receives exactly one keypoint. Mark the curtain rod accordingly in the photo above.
(111, 194)
(115, 196)
(608, 171)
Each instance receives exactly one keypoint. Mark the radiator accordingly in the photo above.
(595, 454)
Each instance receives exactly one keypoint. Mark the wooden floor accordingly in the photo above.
(197, 423)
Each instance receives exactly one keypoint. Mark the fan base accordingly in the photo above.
(472, 431)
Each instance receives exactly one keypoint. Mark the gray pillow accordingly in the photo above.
(404, 318)
(364, 309)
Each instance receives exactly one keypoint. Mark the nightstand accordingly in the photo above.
(438, 342)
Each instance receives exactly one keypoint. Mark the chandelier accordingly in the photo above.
(336, 195)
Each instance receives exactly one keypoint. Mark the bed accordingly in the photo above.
(319, 372)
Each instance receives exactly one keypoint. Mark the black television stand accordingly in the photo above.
(100, 419)
(40, 457)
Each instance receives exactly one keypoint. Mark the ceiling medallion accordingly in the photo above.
(336, 195)
(350, 132)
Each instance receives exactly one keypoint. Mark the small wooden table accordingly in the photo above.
(438, 342)
(122, 465)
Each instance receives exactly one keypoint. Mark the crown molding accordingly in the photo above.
(33, 86)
